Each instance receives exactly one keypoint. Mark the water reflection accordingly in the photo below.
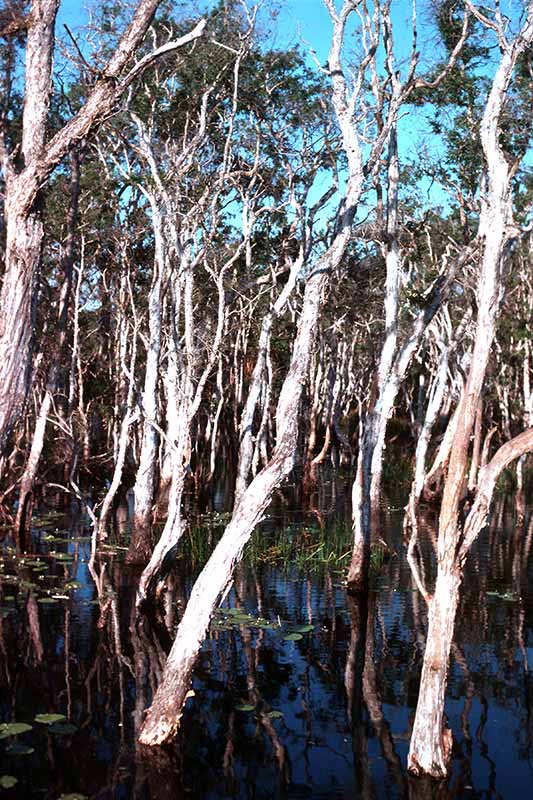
(327, 715)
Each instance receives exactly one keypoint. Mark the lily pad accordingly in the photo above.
(49, 719)
(275, 714)
(18, 749)
(62, 557)
(304, 629)
(245, 707)
(292, 637)
(73, 585)
(7, 781)
(13, 729)
(46, 600)
(73, 796)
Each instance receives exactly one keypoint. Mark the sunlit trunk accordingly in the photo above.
(431, 742)
(164, 716)
(140, 548)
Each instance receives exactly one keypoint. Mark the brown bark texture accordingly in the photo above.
(24, 230)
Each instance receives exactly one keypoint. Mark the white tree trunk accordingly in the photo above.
(141, 543)
(163, 718)
(427, 753)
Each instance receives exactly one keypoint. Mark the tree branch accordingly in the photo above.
(508, 452)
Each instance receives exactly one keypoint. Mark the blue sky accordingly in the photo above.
(307, 22)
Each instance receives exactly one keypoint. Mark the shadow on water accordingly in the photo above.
(299, 692)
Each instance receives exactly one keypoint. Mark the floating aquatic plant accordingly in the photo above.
(13, 729)
(49, 719)
(275, 714)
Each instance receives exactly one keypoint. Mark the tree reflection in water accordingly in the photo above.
(325, 715)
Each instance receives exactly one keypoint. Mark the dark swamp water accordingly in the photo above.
(298, 693)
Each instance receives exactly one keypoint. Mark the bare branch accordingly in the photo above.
(420, 83)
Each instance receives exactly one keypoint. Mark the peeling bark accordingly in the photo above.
(24, 230)
(431, 743)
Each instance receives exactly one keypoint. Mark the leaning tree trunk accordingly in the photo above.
(163, 717)
(427, 752)
(24, 229)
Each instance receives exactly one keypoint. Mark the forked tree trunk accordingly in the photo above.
(431, 742)
(140, 548)
(164, 716)
(428, 750)
(179, 417)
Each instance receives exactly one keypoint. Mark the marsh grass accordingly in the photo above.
(307, 548)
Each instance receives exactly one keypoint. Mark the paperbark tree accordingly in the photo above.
(395, 355)
(163, 717)
(26, 172)
(24, 508)
(184, 239)
(430, 748)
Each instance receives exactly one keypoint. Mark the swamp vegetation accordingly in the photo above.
(265, 369)
(300, 690)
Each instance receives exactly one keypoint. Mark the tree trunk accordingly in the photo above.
(24, 510)
(431, 742)
(24, 231)
(164, 716)
(25, 503)
(140, 548)
(22, 257)
(429, 751)
(246, 427)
